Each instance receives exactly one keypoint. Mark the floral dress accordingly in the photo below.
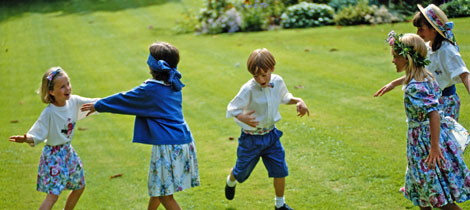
(440, 186)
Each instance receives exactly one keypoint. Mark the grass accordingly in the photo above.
(349, 154)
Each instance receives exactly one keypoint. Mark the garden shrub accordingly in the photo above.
(354, 15)
(340, 4)
(254, 18)
(219, 16)
(307, 15)
(456, 8)
(382, 15)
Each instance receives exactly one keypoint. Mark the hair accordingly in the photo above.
(46, 87)
(411, 70)
(260, 60)
(419, 21)
(167, 52)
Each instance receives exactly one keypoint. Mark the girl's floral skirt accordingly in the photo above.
(437, 187)
(60, 168)
(173, 168)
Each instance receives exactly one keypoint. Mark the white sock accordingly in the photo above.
(230, 183)
(279, 202)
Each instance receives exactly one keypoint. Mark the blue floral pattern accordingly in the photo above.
(173, 168)
(60, 168)
(440, 186)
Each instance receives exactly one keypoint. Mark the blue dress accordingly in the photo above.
(440, 186)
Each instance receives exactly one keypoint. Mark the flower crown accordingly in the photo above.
(402, 49)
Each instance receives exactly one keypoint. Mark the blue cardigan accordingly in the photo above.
(158, 110)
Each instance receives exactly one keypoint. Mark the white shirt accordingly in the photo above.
(446, 64)
(264, 101)
(56, 124)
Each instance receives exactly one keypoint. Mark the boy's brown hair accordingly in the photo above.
(260, 60)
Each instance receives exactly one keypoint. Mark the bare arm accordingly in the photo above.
(435, 155)
(301, 106)
(389, 86)
(22, 139)
(465, 77)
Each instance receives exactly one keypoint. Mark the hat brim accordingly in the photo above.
(421, 9)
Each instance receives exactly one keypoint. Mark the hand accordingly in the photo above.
(384, 89)
(19, 139)
(88, 107)
(248, 119)
(302, 109)
(435, 156)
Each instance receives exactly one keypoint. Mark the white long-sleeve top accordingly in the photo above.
(446, 64)
(56, 124)
(264, 101)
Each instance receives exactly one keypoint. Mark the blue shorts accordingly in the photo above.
(252, 147)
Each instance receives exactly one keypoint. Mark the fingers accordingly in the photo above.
(90, 112)
(250, 112)
(379, 92)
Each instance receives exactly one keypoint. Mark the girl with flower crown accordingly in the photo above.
(437, 175)
(446, 64)
(157, 105)
(59, 166)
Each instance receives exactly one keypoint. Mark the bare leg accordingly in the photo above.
(169, 203)
(232, 178)
(73, 199)
(154, 202)
(279, 184)
(49, 202)
(451, 207)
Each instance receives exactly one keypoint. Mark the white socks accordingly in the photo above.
(230, 183)
(279, 202)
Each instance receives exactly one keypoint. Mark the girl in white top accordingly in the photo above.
(59, 166)
(446, 64)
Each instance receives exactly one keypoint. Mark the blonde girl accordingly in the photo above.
(437, 175)
(60, 167)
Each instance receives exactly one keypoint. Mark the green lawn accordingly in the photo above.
(349, 154)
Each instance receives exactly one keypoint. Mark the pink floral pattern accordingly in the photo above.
(440, 186)
(60, 168)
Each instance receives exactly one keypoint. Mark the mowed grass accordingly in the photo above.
(348, 154)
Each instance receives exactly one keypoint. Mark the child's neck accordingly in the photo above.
(58, 103)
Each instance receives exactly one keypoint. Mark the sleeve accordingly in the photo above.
(423, 96)
(40, 129)
(452, 62)
(129, 102)
(236, 106)
(79, 102)
(286, 96)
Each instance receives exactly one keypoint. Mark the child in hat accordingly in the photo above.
(446, 64)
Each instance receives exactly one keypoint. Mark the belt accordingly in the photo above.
(448, 91)
(258, 131)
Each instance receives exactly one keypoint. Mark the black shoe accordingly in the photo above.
(284, 207)
(229, 192)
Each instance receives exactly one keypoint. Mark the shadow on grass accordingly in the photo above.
(15, 8)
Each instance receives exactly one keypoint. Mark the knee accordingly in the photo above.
(51, 198)
(165, 199)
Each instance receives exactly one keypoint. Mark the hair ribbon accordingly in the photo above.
(163, 66)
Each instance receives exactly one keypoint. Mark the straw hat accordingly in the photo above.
(438, 19)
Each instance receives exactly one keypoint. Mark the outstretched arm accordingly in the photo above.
(22, 139)
(301, 106)
(389, 86)
(90, 107)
